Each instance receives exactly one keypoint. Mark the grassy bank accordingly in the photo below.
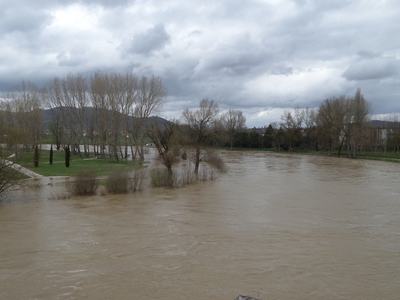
(388, 156)
(77, 165)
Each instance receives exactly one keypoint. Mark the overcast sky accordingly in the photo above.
(260, 56)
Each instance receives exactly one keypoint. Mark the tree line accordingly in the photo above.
(107, 129)
(339, 125)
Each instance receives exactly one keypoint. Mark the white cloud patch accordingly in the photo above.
(297, 87)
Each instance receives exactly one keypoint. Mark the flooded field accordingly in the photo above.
(274, 227)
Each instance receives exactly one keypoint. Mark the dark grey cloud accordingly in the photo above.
(152, 39)
(375, 68)
(261, 56)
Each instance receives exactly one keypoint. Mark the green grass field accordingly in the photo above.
(98, 166)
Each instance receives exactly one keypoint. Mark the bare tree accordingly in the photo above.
(76, 100)
(199, 124)
(310, 128)
(23, 118)
(292, 124)
(99, 99)
(116, 98)
(166, 140)
(233, 120)
(331, 122)
(148, 97)
(68, 98)
(357, 122)
(129, 85)
(55, 103)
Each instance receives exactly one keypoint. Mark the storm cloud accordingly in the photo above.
(260, 56)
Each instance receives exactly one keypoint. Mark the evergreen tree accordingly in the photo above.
(51, 155)
(36, 157)
(67, 156)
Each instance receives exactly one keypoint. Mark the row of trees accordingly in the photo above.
(108, 128)
(21, 119)
(339, 125)
(105, 114)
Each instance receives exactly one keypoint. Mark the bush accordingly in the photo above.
(85, 184)
(8, 176)
(117, 183)
(215, 161)
(136, 181)
(187, 176)
(207, 174)
(161, 178)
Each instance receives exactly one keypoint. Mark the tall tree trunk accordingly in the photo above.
(197, 162)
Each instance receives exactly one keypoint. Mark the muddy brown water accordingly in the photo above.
(274, 227)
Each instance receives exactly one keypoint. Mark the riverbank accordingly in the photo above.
(380, 156)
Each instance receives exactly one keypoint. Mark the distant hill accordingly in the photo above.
(371, 123)
(384, 124)
(50, 115)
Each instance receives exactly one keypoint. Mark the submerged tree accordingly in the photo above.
(166, 140)
(199, 124)
(148, 97)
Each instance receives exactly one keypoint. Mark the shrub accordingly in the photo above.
(207, 174)
(187, 176)
(117, 183)
(160, 177)
(215, 161)
(8, 176)
(136, 181)
(85, 184)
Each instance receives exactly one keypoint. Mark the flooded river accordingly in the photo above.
(274, 227)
